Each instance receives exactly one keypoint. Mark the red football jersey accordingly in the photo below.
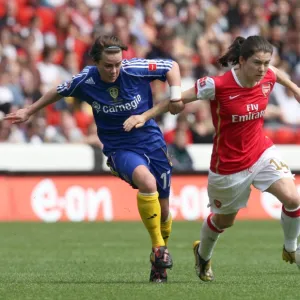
(237, 114)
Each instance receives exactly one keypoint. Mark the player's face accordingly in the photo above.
(109, 66)
(256, 66)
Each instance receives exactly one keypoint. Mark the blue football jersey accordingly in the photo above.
(113, 103)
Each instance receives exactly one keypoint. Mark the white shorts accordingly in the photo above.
(229, 193)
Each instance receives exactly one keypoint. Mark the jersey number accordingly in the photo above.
(279, 165)
(166, 179)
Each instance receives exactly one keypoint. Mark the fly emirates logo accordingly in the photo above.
(253, 113)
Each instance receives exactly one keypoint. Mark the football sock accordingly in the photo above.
(290, 222)
(150, 212)
(166, 228)
(209, 236)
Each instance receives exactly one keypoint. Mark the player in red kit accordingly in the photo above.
(242, 155)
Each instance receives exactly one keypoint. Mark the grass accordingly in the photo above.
(110, 261)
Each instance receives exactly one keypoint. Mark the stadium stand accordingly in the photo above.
(43, 43)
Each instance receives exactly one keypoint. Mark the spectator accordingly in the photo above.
(6, 96)
(202, 128)
(45, 42)
(182, 124)
(190, 29)
(180, 156)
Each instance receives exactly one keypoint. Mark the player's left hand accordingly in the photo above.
(175, 107)
(134, 122)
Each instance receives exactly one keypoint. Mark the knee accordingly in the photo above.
(147, 184)
(144, 180)
(291, 201)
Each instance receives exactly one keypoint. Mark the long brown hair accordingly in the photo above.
(245, 48)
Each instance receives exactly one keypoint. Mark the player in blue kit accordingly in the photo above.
(117, 89)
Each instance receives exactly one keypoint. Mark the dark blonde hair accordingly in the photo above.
(107, 44)
(245, 48)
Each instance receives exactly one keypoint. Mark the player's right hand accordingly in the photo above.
(136, 121)
(20, 116)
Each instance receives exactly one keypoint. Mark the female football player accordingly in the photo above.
(116, 89)
(242, 155)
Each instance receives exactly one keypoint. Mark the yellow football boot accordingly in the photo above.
(202, 267)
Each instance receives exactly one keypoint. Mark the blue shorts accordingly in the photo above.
(123, 162)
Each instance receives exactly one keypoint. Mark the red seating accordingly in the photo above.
(284, 136)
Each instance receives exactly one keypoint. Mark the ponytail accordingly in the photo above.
(233, 53)
(245, 48)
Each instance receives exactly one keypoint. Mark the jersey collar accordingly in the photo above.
(235, 77)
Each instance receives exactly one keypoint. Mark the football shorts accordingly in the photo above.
(229, 193)
(123, 162)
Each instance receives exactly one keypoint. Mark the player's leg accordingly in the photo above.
(133, 168)
(285, 190)
(148, 203)
(161, 168)
(160, 274)
(166, 220)
(150, 211)
(276, 178)
(227, 194)
(211, 229)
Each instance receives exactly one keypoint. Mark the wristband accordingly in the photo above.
(175, 93)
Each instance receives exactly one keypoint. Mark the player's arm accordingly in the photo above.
(24, 114)
(161, 108)
(174, 80)
(65, 89)
(189, 96)
(164, 106)
(283, 79)
(138, 121)
(204, 89)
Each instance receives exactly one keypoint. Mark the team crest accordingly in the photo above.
(114, 92)
(217, 203)
(266, 89)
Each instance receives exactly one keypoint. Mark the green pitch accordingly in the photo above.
(110, 261)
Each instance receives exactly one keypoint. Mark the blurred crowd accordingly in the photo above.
(43, 43)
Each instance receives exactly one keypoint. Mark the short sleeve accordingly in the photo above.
(148, 69)
(273, 72)
(205, 88)
(69, 88)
